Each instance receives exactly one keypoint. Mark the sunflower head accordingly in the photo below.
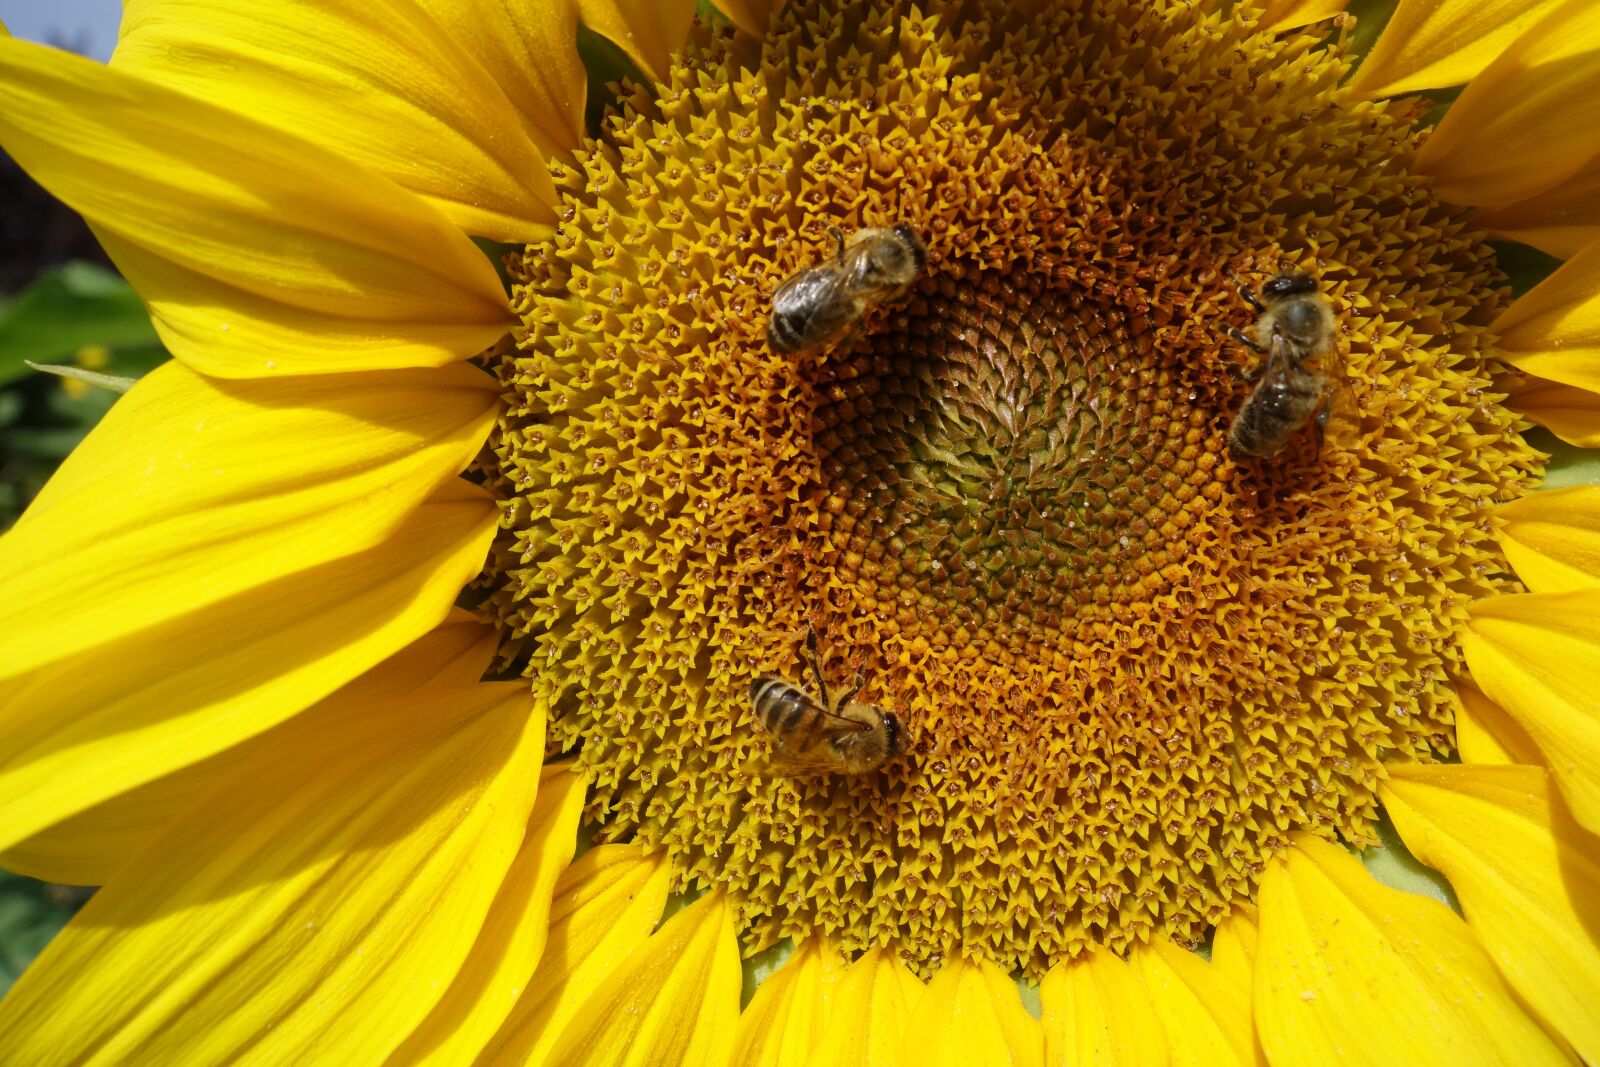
(1129, 665)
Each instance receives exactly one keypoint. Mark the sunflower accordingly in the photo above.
(385, 656)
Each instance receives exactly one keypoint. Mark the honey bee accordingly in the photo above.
(813, 307)
(1299, 381)
(811, 737)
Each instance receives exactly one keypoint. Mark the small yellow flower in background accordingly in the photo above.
(1148, 688)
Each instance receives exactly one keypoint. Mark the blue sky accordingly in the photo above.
(88, 26)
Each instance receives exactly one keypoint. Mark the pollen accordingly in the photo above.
(1128, 665)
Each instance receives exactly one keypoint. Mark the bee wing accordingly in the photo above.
(1341, 419)
(789, 765)
(835, 725)
(809, 288)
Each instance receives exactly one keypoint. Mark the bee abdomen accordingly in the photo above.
(781, 708)
(786, 332)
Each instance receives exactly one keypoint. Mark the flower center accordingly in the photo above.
(1128, 665)
(1008, 460)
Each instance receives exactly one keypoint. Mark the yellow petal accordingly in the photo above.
(1486, 734)
(649, 31)
(751, 16)
(1353, 972)
(1553, 330)
(1204, 1013)
(312, 912)
(1434, 44)
(1527, 876)
(104, 721)
(674, 1000)
(1538, 657)
(379, 83)
(1552, 539)
(531, 51)
(605, 906)
(1233, 946)
(1571, 413)
(1280, 15)
(192, 492)
(1561, 220)
(1526, 123)
(784, 1019)
(971, 1015)
(1096, 1011)
(508, 946)
(870, 1009)
(90, 847)
(256, 251)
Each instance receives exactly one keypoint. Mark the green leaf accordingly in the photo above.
(93, 378)
(66, 309)
(761, 966)
(1371, 17)
(31, 913)
(1394, 865)
(1569, 465)
(606, 64)
(1524, 266)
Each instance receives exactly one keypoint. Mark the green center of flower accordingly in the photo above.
(1005, 457)
(1128, 666)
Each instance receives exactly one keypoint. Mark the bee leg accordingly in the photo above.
(1249, 296)
(1245, 339)
(838, 236)
(816, 663)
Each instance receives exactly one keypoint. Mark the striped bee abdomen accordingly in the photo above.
(782, 709)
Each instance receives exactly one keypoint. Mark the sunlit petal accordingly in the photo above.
(313, 911)
(1434, 44)
(1538, 657)
(786, 1017)
(1234, 944)
(109, 719)
(1553, 330)
(1525, 124)
(1279, 15)
(1527, 875)
(650, 31)
(1552, 539)
(971, 1015)
(1571, 413)
(91, 847)
(1562, 220)
(1204, 1013)
(378, 82)
(1350, 971)
(1486, 734)
(175, 503)
(604, 907)
(257, 252)
(674, 1000)
(871, 1007)
(1096, 1011)
(530, 51)
(508, 946)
